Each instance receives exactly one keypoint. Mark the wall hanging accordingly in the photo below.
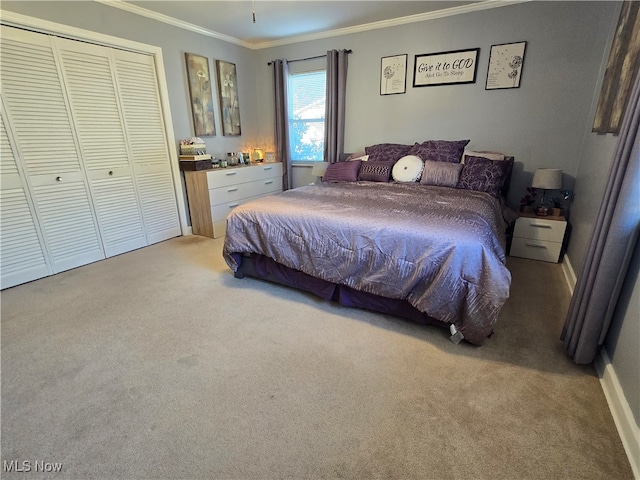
(393, 75)
(201, 96)
(228, 93)
(445, 68)
(505, 66)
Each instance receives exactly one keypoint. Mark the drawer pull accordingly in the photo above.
(540, 225)
(536, 245)
(230, 173)
(268, 182)
(268, 168)
(233, 205)
(232, 189)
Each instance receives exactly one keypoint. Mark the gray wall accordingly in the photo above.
(544, 123)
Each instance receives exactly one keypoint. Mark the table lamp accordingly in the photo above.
(319, 168)
(546, 179)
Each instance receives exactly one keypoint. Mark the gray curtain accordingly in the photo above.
(613, 236)
(280, 73)
(337, 61)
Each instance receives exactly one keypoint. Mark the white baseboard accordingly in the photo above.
(569, 274)
(622, 416)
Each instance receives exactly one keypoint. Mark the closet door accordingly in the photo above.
(40, 119)
(99, 126)
(144, 128)
(23, 256)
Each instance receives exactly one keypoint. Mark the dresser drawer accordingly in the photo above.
(232, 193)
(540, 229)
(220, 211)
(536, 249)
(231, 176)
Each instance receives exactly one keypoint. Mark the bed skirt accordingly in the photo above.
(265, 268)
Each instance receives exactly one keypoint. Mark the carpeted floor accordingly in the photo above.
(160, 364)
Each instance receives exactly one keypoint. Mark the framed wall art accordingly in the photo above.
(393, 75)
(505, 66)
(446, 68)
(200, 93)
(228, 93)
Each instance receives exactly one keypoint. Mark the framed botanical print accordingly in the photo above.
(228, 93)
(200, 93)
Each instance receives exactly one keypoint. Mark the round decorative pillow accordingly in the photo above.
(408, 169)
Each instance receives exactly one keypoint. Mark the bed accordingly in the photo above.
(428, 251)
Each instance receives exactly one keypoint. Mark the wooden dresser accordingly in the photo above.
(212, 194)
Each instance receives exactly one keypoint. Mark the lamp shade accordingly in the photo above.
(319, 168)
(547, 179)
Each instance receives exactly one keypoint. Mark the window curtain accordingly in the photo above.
(280, 74)
(612, 239)
(337, 61)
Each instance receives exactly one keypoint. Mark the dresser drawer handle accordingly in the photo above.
(233, 205)
(541, 225)
(268, 168)
(536, 245)
(230, 173)
(268, 182)
(232, 189)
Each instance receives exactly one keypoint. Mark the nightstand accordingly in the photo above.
(538, 238)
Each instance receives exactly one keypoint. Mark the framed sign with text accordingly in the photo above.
(446, 68)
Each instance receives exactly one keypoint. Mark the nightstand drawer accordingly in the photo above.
(536, 249)
(540, 229)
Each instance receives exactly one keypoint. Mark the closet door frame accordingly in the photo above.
(44, 26)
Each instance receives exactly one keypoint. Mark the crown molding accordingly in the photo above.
(421, 17)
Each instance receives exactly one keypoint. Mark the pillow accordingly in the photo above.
(483, 175)
(342, 171)
(440, 150)
(358, 156)
(375, 171)
(445, 174)
(489, 155)
(386, 152)
(407, 169)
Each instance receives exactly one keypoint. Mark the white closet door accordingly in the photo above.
(144, 127)
(23, 256)
(100, 130)
(39, 115)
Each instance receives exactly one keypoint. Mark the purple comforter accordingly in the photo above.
(439, 248)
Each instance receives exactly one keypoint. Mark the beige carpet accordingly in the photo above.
(160, 364)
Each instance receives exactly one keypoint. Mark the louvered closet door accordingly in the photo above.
(22, 255)
(144, 127)
(40, 119)
(92, 94)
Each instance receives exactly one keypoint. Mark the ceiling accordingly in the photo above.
(289, 21)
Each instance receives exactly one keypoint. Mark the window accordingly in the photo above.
(306, 115)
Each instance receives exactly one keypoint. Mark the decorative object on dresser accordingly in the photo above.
(538, 238)
(200, 92)
(212, 194)
(193, 155)
(546, 179)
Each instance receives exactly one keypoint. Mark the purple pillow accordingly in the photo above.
(386, 152)
(483, 175)
(375, 171)
(440, 150)
(342, 171)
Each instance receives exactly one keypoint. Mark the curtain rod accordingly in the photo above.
(308, 58)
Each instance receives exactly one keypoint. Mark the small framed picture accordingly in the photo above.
(393, 75)
(505, 66)
(270, 157)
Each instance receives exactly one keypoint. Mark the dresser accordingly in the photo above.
(212, 194)
(538, 238)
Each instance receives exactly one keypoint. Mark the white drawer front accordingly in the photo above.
(223, 177)
(232, 193)
(220, 212)
(540, 229)
(535, 249)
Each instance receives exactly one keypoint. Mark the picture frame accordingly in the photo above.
(505, 66)
(199, 80)
(446, 68)
(228, 96)
(393, 74)
(619, 74)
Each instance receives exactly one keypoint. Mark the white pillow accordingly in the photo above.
(488, 155)
(407, 169)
